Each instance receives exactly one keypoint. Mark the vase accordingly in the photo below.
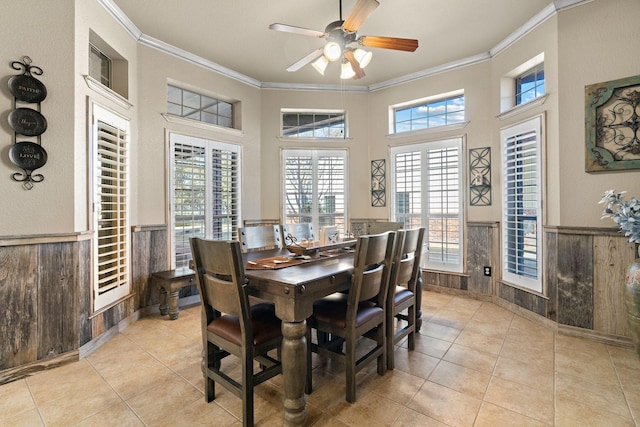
(632, 298)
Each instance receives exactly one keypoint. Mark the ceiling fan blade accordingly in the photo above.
(296, 30)
(354, 65)
(407, 45)
(359, 14)
(304, 61)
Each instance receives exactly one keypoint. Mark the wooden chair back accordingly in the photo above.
(259, 237)
(377, 227)
(299, 232)
(406, 259)
(372, 267)
(220, 279)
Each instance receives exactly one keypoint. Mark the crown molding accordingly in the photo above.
(549, 11)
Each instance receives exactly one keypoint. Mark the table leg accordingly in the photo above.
(294, 361)
(164, 307)
(174, 311)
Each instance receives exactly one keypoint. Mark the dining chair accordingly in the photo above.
(377, 227)
(259, 237)
(301, 232)
(401, 297)
(343, 318)
(231, 326)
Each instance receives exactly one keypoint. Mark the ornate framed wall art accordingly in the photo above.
(612, 125)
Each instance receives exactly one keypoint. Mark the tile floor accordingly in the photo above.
(475, 364)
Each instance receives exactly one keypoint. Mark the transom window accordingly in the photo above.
(530, 84)
(437, 112)
(313, 124)
(99, 66)
(195, 106)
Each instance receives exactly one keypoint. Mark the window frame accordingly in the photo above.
(533, 126)
(424, 215)
(99, 114)
(429, 103)
(315, 215)
(209, 146)
(229, 123)
(104, 59)
(320, 112)
(534, 71)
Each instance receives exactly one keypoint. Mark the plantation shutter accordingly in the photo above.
(444, 216)
(427, 192)
(111, 202)
(521, 217)
(205, 193)
(315, 188)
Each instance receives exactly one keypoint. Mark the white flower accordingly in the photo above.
(624, 213)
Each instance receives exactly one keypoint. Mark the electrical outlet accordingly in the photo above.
(487, 271)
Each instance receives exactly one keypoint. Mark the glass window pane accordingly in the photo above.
(203, 108)
(436, 113)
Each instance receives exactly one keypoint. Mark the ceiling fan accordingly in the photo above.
(343, 42)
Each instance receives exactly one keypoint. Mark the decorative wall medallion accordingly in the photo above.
(480, 176)
(612, 125)
(27, 121)
(27, 88)
(378, 183)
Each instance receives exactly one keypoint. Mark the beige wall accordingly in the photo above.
(357, 145)
(49, 206)
(597, 42)
(156, 71)
(582, 45)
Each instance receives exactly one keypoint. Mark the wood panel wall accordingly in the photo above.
(584, 272)
(40, 284)
(46, 286)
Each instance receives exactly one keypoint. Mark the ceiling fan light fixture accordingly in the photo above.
(363, 57)
(332, 51)
(320, 64)
(347, 71)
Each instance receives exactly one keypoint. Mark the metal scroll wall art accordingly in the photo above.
(27, 123)
(480, 176)
(378, 183)
(612, 125)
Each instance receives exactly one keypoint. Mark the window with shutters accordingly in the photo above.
(427, 192)
(205, 193)
(522, 204)
(110, 196)
(315, 185)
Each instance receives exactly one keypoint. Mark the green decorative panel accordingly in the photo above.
(612, 125)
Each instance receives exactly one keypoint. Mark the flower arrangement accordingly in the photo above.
(625, 213)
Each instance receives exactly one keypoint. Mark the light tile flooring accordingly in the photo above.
(475, 364)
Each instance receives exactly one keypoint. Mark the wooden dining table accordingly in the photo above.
(293, 289)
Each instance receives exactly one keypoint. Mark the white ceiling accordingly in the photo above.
(235, 34)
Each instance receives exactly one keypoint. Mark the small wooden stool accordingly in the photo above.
(170, 282)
